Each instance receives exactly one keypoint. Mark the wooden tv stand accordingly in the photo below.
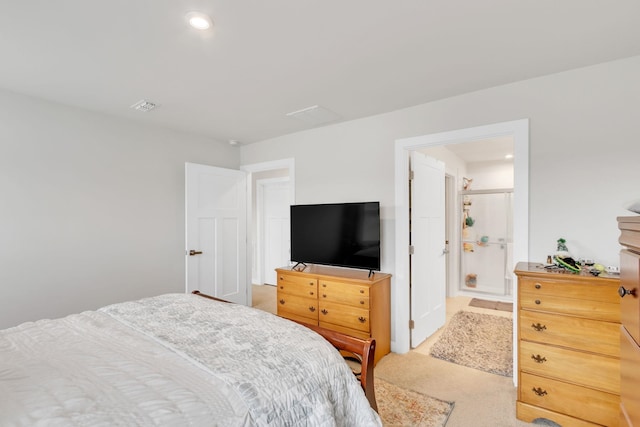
(340, 299)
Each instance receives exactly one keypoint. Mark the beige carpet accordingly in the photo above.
(398, 406)
(479, 341)
(481, 399)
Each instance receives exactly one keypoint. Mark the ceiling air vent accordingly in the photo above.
(144, 106)
(314, 115)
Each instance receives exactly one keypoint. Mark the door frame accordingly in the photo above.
(449, 203)
(519, 130)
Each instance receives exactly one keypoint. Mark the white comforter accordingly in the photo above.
(175, 360)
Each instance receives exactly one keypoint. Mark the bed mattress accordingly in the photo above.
(175, 360)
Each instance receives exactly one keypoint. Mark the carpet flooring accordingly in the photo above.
(479, 341)
(398, 406)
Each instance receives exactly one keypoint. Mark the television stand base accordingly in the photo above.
(295, 267)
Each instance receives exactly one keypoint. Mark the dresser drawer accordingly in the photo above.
(590, 308)
(630, 375)
(299, 306)
(572, 332)
(344, 315)
(580, 402)
(604, 291)
(300, 286)
(530, 413)
(630, 303)
(591, 370)
(344, 293)
(351, 332)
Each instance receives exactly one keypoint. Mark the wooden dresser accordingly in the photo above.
(630, 313)
(568, 347)
(343, 300)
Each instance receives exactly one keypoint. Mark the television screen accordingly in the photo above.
(339, 234)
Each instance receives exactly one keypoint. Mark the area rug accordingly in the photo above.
(398, 406)
(479, 341)
(492, 305)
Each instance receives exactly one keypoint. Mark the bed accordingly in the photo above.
(181, 359)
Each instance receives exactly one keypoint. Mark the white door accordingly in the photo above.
(274, 205)
(216, 233)
(428, 261)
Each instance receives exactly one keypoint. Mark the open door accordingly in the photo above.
(216, 230)
(428, 243)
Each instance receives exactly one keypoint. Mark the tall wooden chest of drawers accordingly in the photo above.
(568, 347)
(630, 312)
(343, 300)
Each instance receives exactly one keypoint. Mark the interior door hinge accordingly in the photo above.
(412, 324)
(411, 250)
(410, 175)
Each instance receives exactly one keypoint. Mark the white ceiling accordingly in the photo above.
(266, 58)
(484, 150)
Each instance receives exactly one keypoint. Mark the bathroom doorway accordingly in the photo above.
(480, 234)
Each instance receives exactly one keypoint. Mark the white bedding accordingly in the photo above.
(175, 360)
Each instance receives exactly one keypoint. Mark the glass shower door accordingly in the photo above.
(486, 242)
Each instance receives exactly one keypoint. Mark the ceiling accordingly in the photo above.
(264, 59)
(484, 150)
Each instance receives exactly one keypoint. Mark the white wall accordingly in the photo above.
(91, 208)
(491, 175)
(583, 155)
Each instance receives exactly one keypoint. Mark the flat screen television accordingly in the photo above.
(337, 234)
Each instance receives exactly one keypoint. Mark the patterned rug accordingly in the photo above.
(479, 341)
(401, 407)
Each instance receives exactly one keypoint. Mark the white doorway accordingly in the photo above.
(273, 240)
(278, 169)
(519, 130)
(480, 250)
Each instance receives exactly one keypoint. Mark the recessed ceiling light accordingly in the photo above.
(199, 20)
(233, 142)
(508, 156)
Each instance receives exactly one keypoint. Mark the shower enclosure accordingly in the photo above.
(487, 233)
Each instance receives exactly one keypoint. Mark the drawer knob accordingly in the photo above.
(361, 301)
(311, 293)
(324, 295)
(538, 285)
(311, 283)
(312, 308)
(281, 301)
(362, 291)
(324, 311)
(324, 285)
(538, 327)
(622, 291)
(537, 301)
(539, 391)
(281, 287)
(362, 319)
(539, 359)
